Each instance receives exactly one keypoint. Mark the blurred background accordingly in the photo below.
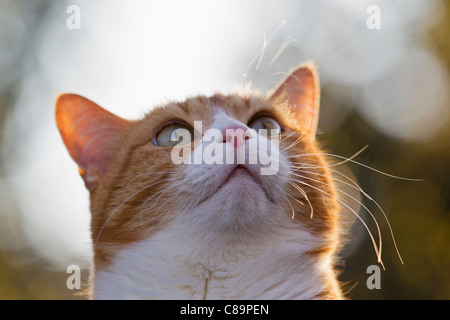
(385, 83)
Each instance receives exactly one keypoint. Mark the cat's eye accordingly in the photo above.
(265, 125)
(174, 134)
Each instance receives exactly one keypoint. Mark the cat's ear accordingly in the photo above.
(90, 134)
(301, 89)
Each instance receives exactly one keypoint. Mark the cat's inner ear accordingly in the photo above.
(301, 89)
(90, 133)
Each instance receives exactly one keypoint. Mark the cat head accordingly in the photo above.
(144, 174)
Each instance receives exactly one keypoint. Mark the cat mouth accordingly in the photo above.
(244, 178)
(240, 180)
(241, 171)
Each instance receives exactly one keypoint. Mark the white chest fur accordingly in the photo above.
(175, 265)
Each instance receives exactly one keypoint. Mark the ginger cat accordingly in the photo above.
(165, 229)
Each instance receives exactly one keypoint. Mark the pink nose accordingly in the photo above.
(235, 134)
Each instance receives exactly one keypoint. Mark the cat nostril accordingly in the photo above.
(235, 134)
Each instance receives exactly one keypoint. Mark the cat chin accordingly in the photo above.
(239, 184)
(230, 209)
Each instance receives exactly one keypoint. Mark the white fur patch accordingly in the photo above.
(181, 263)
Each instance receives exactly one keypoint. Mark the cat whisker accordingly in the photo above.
(161, 193)
(301, 138)
(283, 47)
(351, 197)
(379, 207)
(164, 203)
(289, 75)
(304, 195)
(290, 204)
(352, 161)
(335, 164)
(355, 186)
(126, 200)
(377, 250)
(261, 51)
(292, 133)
